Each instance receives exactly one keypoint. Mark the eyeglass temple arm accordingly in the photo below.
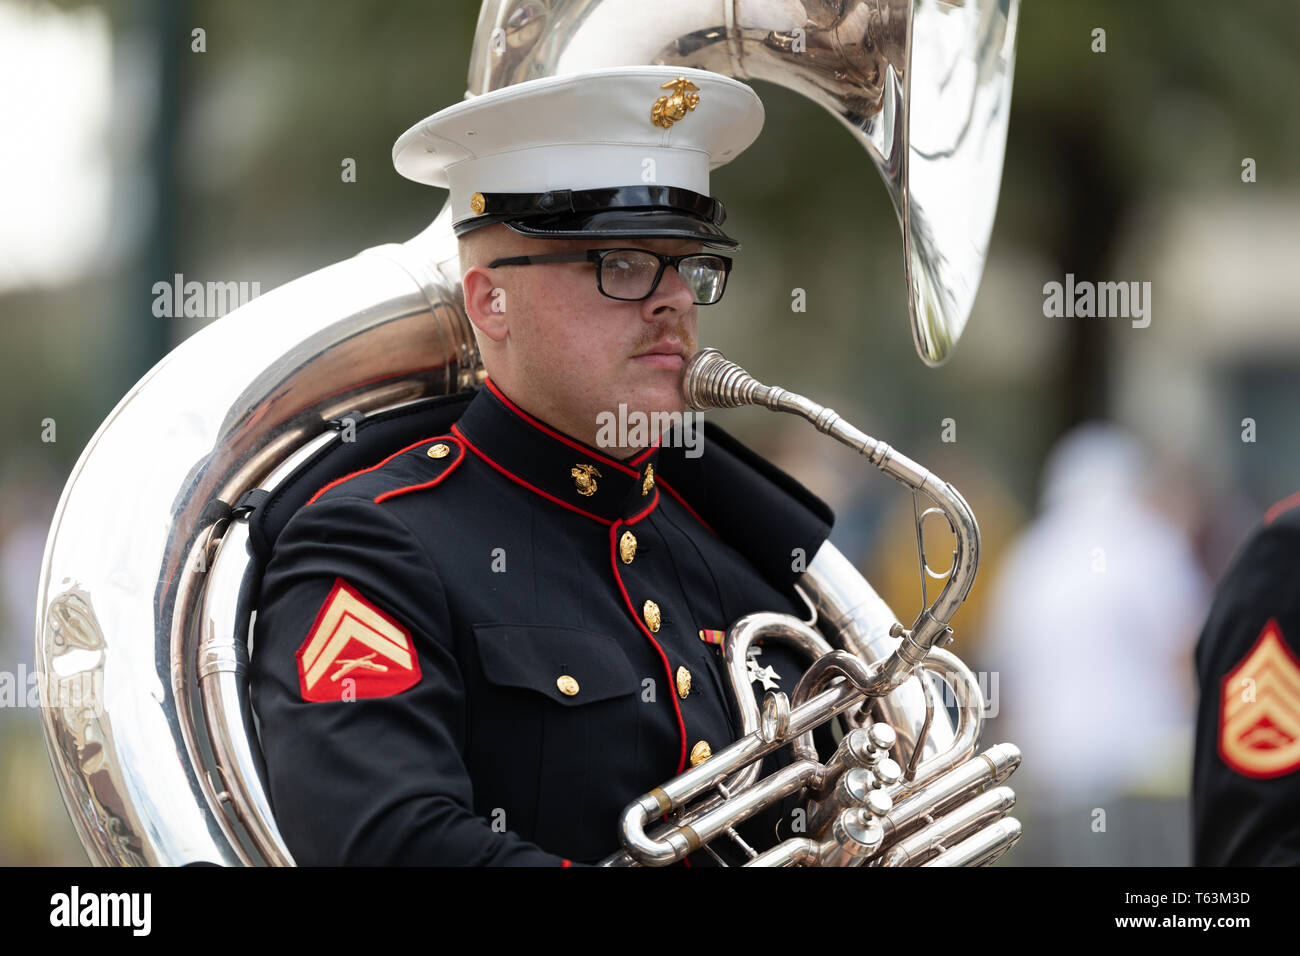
(546, 257)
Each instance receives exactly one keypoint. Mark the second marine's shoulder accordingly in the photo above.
(418, 467)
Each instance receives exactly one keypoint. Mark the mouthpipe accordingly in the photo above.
(710, 380)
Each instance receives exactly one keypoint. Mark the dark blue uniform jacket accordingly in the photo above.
(481, 648)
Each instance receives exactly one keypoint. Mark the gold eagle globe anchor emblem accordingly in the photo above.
(584, 478)
(667, 110)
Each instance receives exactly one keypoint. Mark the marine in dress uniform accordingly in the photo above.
(479, 648)
(1246, 787)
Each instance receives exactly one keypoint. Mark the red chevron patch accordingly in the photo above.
(355, 650)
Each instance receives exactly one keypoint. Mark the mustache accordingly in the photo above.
(689, 345)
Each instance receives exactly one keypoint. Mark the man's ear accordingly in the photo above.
(485, 302)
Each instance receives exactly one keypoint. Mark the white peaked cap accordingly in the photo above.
(624, 151)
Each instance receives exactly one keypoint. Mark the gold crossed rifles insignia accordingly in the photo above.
(352, 638)
(1259, 712)
(346, 667)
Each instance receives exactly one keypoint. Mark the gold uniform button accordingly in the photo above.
(700, 753)
(650, 611)
(439, 451)
(683, 682)
(477, 203)
(568, 686)
(627, 547)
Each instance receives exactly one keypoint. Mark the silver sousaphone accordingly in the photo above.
(141, 632)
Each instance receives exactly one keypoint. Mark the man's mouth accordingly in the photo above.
(667, 347)
(665, 355)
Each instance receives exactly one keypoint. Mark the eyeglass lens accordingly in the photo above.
(628, 274)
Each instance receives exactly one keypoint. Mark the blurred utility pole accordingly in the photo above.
(1096, 197)
(160, 29)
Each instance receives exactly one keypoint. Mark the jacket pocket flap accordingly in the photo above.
(539, 658)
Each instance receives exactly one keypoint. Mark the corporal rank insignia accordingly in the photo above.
(355, 650)
(1259, 711)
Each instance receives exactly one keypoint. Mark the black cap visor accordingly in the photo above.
(625, 224)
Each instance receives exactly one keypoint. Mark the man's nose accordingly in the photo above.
(671, 295)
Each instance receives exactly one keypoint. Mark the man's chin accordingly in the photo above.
(661, 388)
(661, 396)
(649, 400)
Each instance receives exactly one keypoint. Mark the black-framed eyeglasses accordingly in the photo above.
(632, 275)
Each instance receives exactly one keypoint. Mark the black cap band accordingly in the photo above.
(499, 207)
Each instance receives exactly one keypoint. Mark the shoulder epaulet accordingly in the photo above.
(423, 464)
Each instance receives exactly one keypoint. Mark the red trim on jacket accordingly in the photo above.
(427, 484)
(668, 669)
(644, 511)
(362, 471)
(515, 478)
(564, 439)
(1281, 508)
(644, 455)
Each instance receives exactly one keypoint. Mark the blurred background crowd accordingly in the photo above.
(1113, 469)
